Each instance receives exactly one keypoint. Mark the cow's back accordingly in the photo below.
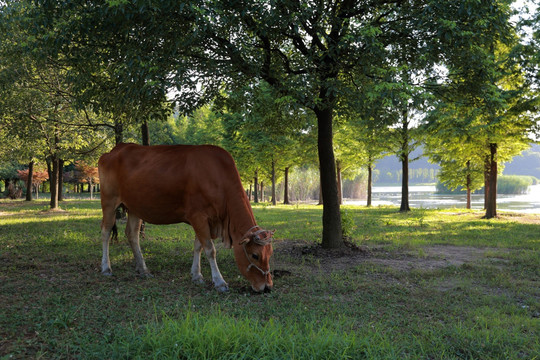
(167, 184)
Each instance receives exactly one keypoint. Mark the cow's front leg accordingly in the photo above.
(196, 275)
(133, 227)
(210, 252)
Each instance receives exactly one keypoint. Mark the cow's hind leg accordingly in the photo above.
(108, 225)
(132, 232)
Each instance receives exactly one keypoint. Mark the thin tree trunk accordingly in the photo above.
(30, 181)
(332, 236)
(60, 180)
(339, 185)
(468, 185)
(274, 200)
(91, 188)
(405, 184)
(118, 132)
(486, 180)
(256, 187)
(369, 184)
(491, 205)
(405, 163)
(145, 134)
(54, 182)
(286, 187)
(262, 191)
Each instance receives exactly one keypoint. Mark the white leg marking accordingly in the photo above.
(218, 280)
(196, 275)
(105, 261)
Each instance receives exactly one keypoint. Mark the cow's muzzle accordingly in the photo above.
(262, 289)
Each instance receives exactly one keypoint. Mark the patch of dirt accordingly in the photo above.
(422, 258)
(52, 211)
(521, 218)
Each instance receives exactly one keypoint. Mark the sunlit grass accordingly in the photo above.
(56, 304)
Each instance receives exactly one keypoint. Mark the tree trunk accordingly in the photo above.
(145, 134)
(256, 187)
(486, 180)
(405, 163)
(332, 236)
(60, 180)
(262, 192)
(54, 182)
(491, 203)
(468, 185)
(405, 183)
(91, 188)
(118, 132)
(274, 201)
(286, 187)
(369, 184)
(339, 185)
(29, 181)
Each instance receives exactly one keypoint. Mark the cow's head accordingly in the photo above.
(253, 258)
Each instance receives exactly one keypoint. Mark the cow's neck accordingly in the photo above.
(243, 221)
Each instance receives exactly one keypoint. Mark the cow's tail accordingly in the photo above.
(114, 233)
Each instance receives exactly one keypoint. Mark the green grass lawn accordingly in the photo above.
(430, 284)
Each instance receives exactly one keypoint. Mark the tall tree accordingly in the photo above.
(492, 100)
(451, 144)
(302, 49)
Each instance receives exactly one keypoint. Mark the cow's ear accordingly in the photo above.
(245, 240)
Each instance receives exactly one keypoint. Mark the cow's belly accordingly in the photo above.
(168, 210)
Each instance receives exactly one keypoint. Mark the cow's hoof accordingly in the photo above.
(199, 280)
(145, 275)
(107, 272)
(223, 288)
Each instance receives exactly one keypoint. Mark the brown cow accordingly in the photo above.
(194, 184)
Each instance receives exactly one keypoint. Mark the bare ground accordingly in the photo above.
(289, 252)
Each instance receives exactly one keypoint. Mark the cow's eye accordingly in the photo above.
(255, 256)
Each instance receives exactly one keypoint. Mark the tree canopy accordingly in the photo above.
(262, 77)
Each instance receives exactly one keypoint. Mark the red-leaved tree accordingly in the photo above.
(38, 178)
(87, 174)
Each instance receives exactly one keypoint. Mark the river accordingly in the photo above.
(425, 197)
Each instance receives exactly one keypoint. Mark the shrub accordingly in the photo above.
(514, 184)
(347, 223)
(506, 184)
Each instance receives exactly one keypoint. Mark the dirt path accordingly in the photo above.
(423, 258)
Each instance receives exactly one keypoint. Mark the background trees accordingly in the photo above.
(355, 76)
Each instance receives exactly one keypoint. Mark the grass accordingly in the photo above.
(54, 303)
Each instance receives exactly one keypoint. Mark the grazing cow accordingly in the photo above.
(194, 184)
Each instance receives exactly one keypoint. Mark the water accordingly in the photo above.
(425, 197)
